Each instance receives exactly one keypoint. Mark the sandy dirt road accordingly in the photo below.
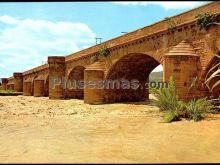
(38, 130)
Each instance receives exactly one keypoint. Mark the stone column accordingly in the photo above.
(18, 82)
(27, 88)
(4, 83)
(92, 93)
(38, 88)
(182, 64)
(56, 77)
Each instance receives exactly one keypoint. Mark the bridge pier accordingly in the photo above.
(18, 82)
(56, 77)
(92, 93)
(182, 63)
(4, 83)
(27, 88)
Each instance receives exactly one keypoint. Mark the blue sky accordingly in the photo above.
(30, 32)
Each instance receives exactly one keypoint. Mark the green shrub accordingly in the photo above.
(168, 102)
(171, 24)
(170, 116)
(7, 91)
(175, 109)
(104, 52)
(166, 97)
(206, 19)
(198, 109)
(93, 59)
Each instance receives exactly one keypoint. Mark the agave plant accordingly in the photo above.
(198, 109)
(216, 73)
(168, 102)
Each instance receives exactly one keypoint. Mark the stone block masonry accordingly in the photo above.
(185, 52)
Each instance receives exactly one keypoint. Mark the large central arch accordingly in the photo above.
(135, 66)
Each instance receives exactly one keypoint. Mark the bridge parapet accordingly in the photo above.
(153, 30)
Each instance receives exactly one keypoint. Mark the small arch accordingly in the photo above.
(32, 84)
(74, 84)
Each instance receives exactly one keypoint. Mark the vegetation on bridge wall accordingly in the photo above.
(171, 23)
(206, 20)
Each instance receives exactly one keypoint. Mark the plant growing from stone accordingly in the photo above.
(93, 59)
(171, 24)
(206, 19)
(104, 51)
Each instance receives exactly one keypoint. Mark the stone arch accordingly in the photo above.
(41, 85)
(32, 84)
(27, 83)
(135, 66)
(74, 84)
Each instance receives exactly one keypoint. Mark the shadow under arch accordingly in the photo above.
(46, 86)
(74, 86)
(135, 66)
(32, 84)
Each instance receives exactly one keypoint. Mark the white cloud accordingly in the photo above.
(165, 4)
(25, 43)
(8, 20)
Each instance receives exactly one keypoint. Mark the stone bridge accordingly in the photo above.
(185, 52)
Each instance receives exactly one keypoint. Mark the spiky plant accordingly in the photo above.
(213, 73)
(168, 101)
(198, 109)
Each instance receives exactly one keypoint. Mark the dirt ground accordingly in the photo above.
(38, 130)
